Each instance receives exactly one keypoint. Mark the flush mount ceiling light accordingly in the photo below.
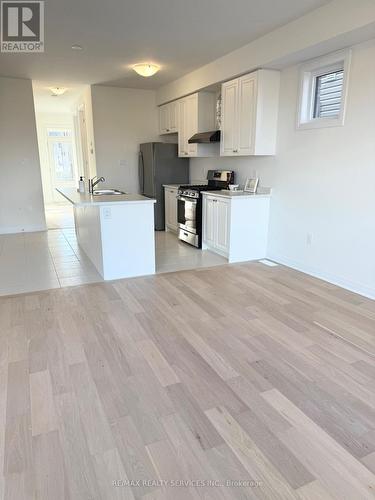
(77, 47)
(146, 69)
(57, 91)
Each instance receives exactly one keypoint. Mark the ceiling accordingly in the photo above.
(45, 102)
(180, 35)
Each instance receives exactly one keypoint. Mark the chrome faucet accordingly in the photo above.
(93, 183)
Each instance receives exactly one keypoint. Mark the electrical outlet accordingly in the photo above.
(309, 239)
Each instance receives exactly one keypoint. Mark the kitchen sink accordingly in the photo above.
(106, 192)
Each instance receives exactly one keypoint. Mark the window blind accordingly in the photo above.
(328, 94)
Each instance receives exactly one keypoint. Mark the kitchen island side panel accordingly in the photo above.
(249, 228)
(89, 235)
(128, 240)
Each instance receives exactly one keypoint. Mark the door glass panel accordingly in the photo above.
(63, 160)
(58, 133)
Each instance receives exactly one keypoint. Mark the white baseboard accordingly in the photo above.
(340, 281)
(33, 228)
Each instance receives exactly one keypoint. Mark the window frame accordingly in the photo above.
(309, 72)
(59, 129)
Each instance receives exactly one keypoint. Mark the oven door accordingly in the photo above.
(187, 213)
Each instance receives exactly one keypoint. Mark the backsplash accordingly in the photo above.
(262, 167)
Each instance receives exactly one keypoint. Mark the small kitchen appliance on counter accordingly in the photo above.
(189, 205)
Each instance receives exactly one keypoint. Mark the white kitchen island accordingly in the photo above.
(116, 232)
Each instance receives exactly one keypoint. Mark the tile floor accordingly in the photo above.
(43, 260)
(52, 259)
(59, 216)
(175, 255)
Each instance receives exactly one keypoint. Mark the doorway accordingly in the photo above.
(62, 165)
(58, 164)
(60, 171)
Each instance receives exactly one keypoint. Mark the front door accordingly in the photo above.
(61, 160)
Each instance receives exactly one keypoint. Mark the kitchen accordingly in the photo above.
(239, 118)
(235, 119)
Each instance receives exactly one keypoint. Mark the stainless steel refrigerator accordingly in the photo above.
(159, 164)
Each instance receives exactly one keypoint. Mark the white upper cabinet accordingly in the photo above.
(182, 128)
(196, 114)
(173, 116)
(246, 114)
(163, 119)
(229, 109)
(168, 118)
(249, 114)
(191, 122)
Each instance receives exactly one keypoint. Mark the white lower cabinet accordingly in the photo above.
(170, 206)
(236, 227)
(216, 213)
(208, 221)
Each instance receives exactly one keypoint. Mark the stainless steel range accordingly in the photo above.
(189, 205)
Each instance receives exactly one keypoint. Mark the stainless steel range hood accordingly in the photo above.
(205, 137)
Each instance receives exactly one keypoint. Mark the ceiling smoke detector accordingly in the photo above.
(146, 69)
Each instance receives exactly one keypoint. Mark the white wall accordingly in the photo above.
(21, 199)
(323, 184)
(123, 118)
(338, 24)
(45, 121)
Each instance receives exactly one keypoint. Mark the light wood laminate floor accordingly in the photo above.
(233, 373)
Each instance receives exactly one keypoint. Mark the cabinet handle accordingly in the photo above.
(167, 129)
(214, 201)
(235, 150)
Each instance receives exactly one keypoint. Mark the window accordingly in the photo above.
(328, 94)
(323, 91)
(59, 133)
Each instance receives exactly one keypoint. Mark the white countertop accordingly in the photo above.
(237, 194)
(80, 199)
